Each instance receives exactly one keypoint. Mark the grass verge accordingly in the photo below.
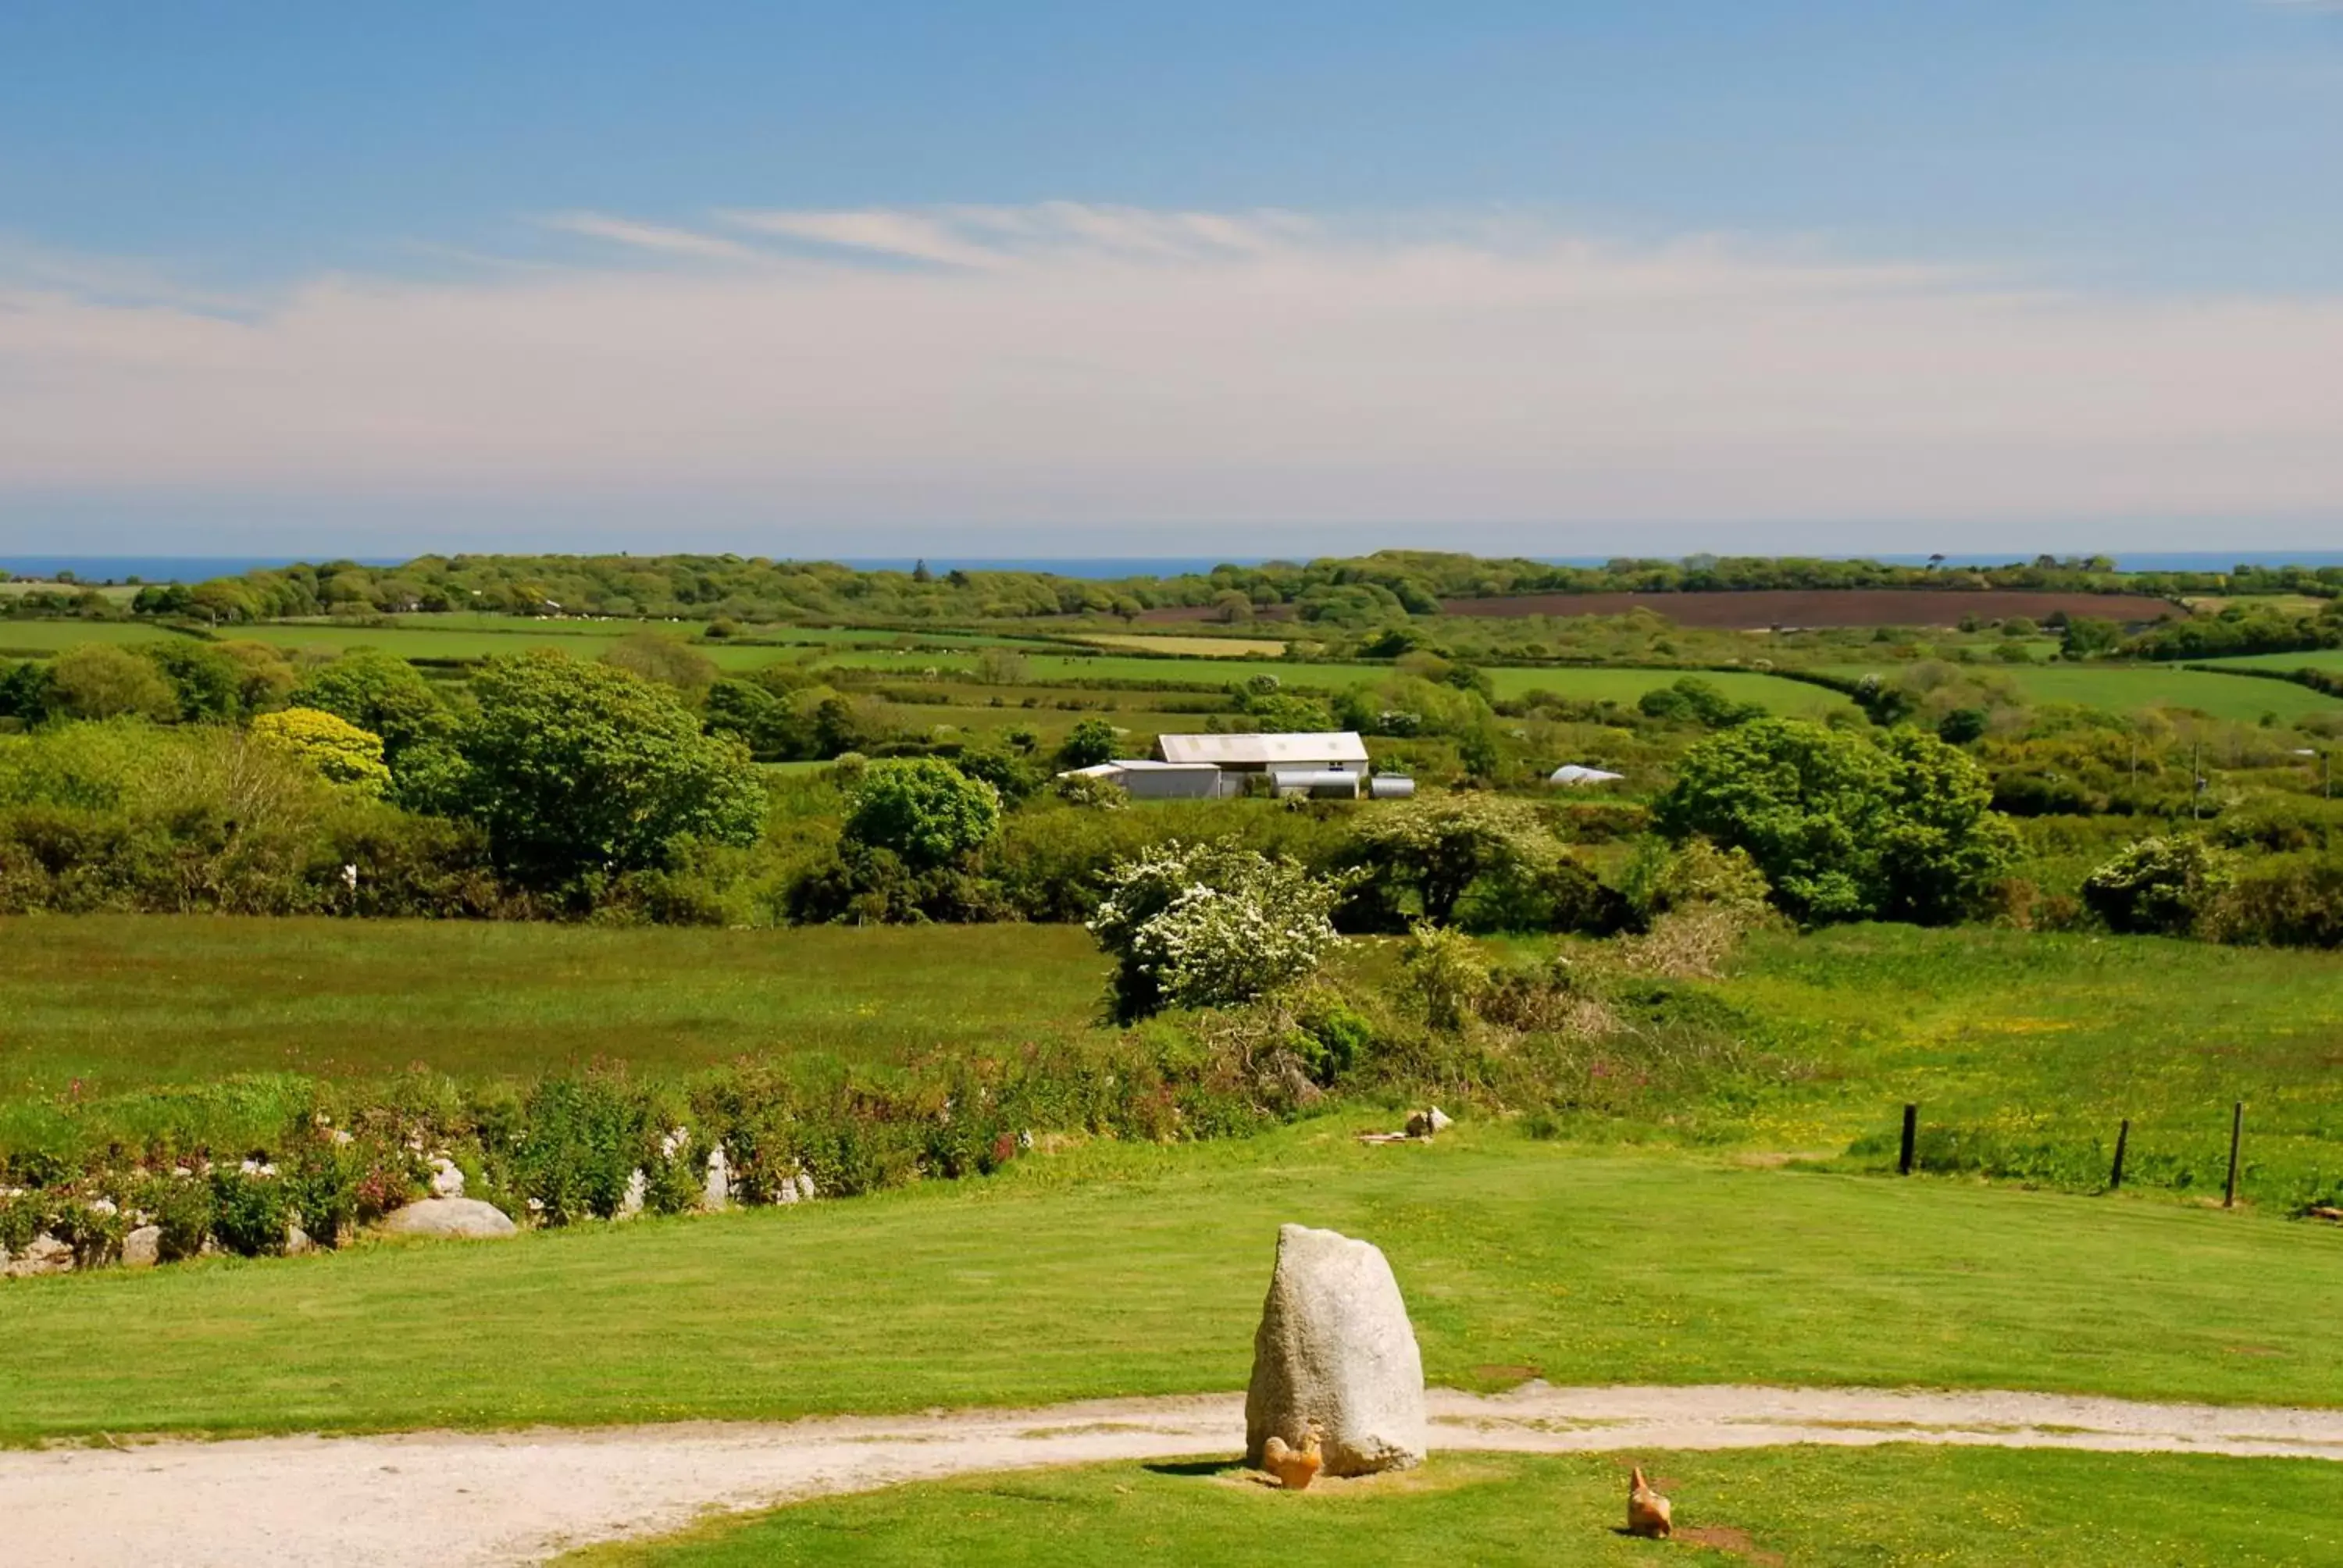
(1816, 1507)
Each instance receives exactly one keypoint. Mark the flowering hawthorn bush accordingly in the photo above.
(1212, 925)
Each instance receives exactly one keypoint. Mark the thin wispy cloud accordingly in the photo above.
(650, 236)
(1087, 365)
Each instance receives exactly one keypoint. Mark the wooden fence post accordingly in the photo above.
(1910, 1137)
(2236, 1133)
(2123, 1137)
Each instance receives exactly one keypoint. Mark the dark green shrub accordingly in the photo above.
(581, 1141)
(183, 1208)
(250, 1212)
(2157, 886)
(2285, 901)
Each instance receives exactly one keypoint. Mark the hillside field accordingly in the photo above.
(2135, 687)
(1756, 609)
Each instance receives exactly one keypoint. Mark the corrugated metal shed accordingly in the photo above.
(1340, 749)
(1150, 780)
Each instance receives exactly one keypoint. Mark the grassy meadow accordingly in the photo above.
(1818, 1507)
(2326, 659)
(40, 639)
(127, 1001)
(2134, 687)
(1580, 683)
(1125, 1270)
(2023, 1049)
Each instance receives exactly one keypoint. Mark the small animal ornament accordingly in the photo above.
(1647, 1511)
(1295, 1468)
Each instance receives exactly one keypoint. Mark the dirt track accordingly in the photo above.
(457, 1500)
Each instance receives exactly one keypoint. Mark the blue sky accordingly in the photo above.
(229, 234)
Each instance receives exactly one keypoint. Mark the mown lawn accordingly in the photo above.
(1814, 1507)
(119, 1002)
(1123, 1270)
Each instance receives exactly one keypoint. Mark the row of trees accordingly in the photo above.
(1391, 583)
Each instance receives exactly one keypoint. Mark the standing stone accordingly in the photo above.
(1335, 1349)
(718, 1192)
(638, 1189)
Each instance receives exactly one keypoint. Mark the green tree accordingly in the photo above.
(751, 713)
(25, 690)
(2086, 639)
(208, 684)
(337, 749)
(1212, 925)
(1431, 852)
(381, 694)
(1091, 743)
(1845, 826)
(1283, 713)
(98, 680)
(923, 810)
(1961, 726)
(581, 768)
(2158, 886)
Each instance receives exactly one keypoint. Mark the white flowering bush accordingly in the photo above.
(1212, 925)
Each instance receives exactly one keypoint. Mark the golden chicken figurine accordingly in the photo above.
(1647, 1511)
(1295, 1468)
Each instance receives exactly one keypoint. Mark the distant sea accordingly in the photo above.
(196, 568)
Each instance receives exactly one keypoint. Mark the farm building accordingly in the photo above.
(1150, 780)
(1217, 767)
(1338, 751)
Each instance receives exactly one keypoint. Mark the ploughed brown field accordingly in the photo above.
(1762, 607)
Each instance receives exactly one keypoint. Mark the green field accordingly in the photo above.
(795, 636)
(1128, 1270)
(121, 1002)
(1577, 683)
(2327, 659)
(438, 644)
(2035, 1045)
(1814, 1506)
(37, 638)
(2132, 688)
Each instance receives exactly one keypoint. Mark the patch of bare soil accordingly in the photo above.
(1732, 1541)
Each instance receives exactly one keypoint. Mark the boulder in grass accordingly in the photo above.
(142, 1247)
(460, 1218)
(1335, 1352)
(44, 1254)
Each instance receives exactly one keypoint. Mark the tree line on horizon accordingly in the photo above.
(1385, 585)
